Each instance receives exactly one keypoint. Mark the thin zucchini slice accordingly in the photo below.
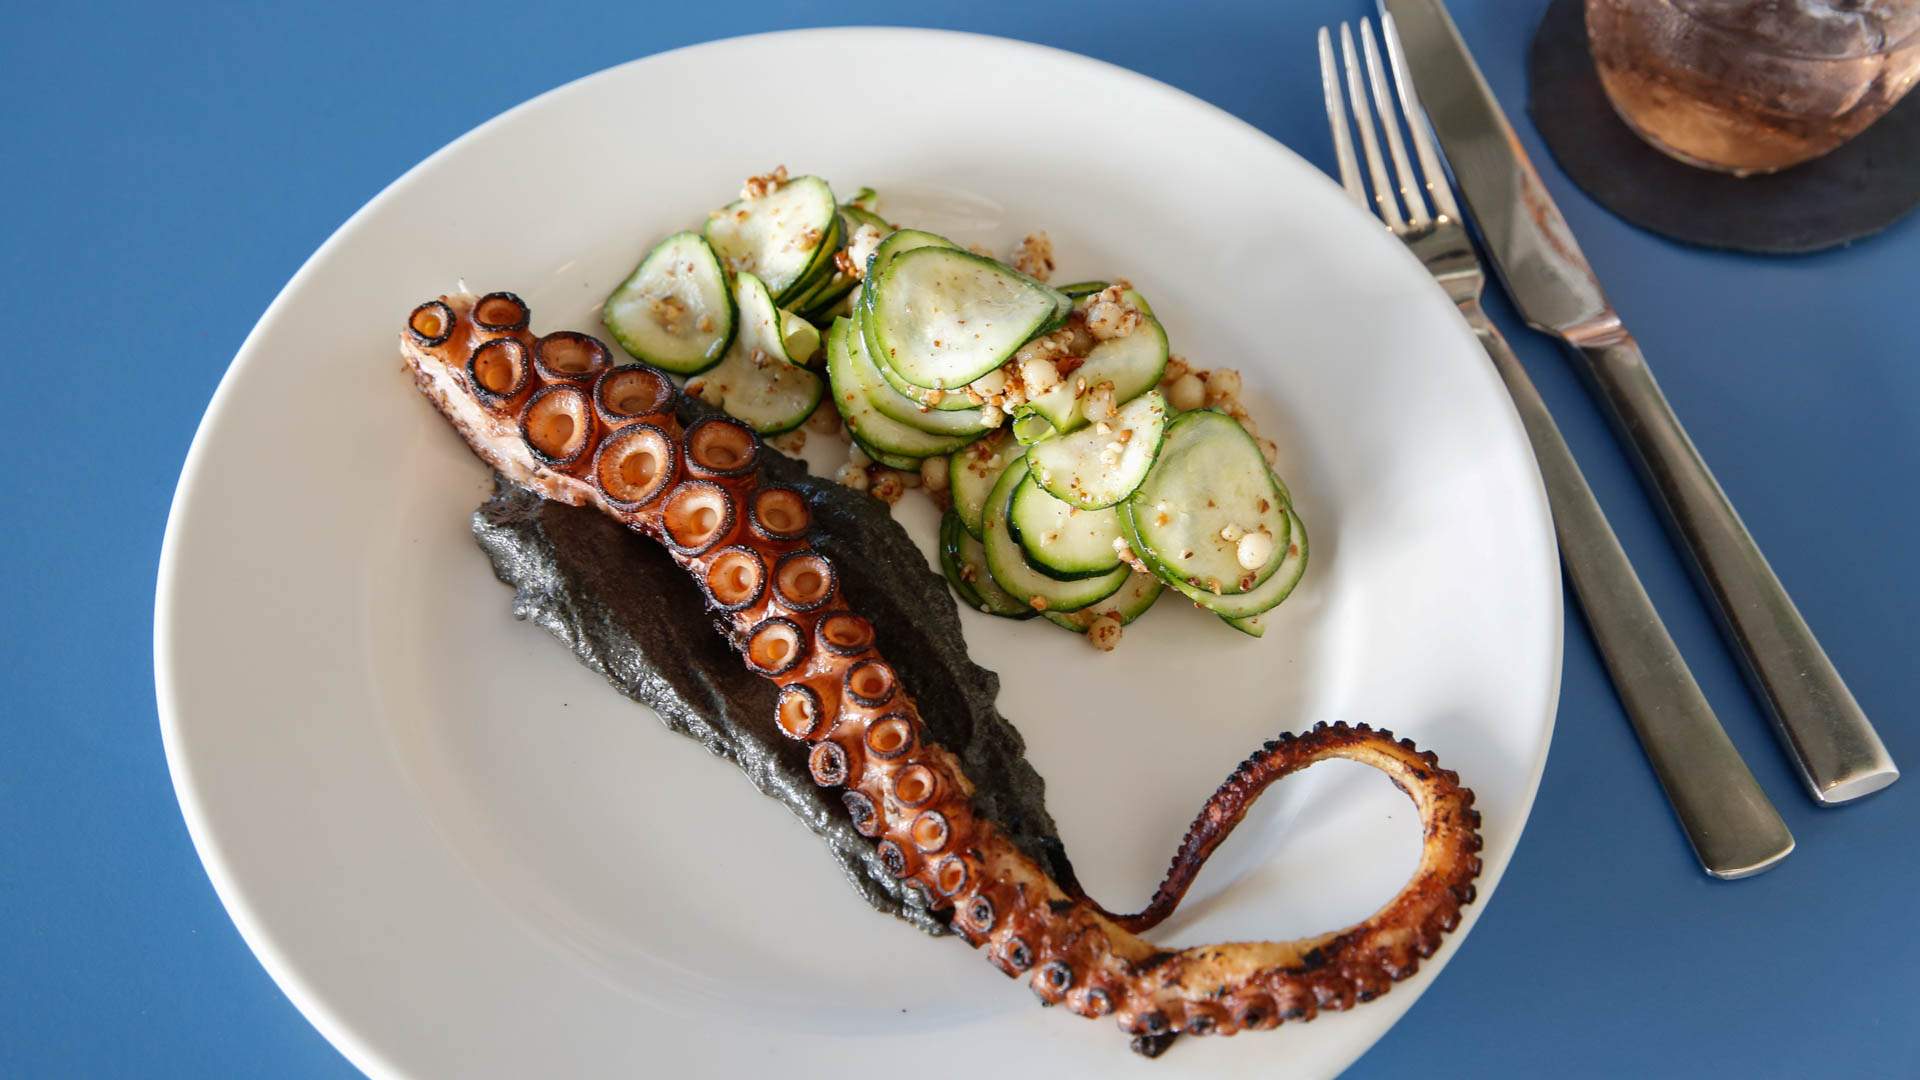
(965, 564)
(1092, 469)
(891, 461)
(1061, 540)
(1209, 487)
(1009, 566)
(1133, 364)
(675, 310)
(781, 336)
(779, 236)
(1083, 288)
(822, 267)
(901, 241)
(756, 382)
(972, 472)
(1129, 603)
(824, 316)
(799, 339)
(895, 406)
(1254, 626)
(942, 317)
(858, 215)
(853, 376)
(951, 530)
(1264, 597)
(824, 275)
(831, 299)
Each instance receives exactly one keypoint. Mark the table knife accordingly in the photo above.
(1839, 755)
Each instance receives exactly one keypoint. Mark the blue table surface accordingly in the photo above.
(168, 170)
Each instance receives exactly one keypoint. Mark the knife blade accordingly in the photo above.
(1840, 756)
(1533, 250)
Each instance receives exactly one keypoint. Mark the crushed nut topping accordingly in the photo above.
(1034, 256)
(852, 476)
(669, 313)
(1109, 315)
(758, 187)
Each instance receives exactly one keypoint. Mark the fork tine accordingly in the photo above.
(1436, 177)
(1337, 120)
(1384, 203)
(1383, 103)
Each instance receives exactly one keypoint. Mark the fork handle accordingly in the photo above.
(1735, 831)
(1839, 754)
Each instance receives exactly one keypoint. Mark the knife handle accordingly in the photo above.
(1840, 756)
(1735, 831)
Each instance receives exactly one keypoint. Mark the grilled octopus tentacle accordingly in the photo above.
(583, 434)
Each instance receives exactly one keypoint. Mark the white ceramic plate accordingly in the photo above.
(461, 854)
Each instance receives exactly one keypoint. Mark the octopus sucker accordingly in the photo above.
(698, 516)
(804, 581)
(611, 441)
(722, 448)
(622, 395)
(776, 646)
(914, 785)
(843, 633)
(778, 513)
(891, 736)
(500, 313)
(499, 372)
(569, 357)
(431, 323)
(634, 464)
(736, 578)
(557, 426)
(830, 765)
(799, 713)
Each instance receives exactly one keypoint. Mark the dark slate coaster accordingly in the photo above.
(1856, 191)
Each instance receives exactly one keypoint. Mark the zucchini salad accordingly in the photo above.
(1083, 470)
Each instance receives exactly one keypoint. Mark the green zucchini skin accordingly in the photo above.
(1127, 604)
(1059, 539)
(685, 268)
(759, 235)
(1210, 476)
(941, 317)
(973, 470)
(1082, 469)
(1009, 566)
(852, 375)
(964, 562)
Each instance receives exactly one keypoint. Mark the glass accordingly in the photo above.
(1753, 86)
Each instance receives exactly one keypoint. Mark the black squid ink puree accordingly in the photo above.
(628, 612)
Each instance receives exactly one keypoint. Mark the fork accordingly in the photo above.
(1735, 831)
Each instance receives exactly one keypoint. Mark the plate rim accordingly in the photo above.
(279, 965)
